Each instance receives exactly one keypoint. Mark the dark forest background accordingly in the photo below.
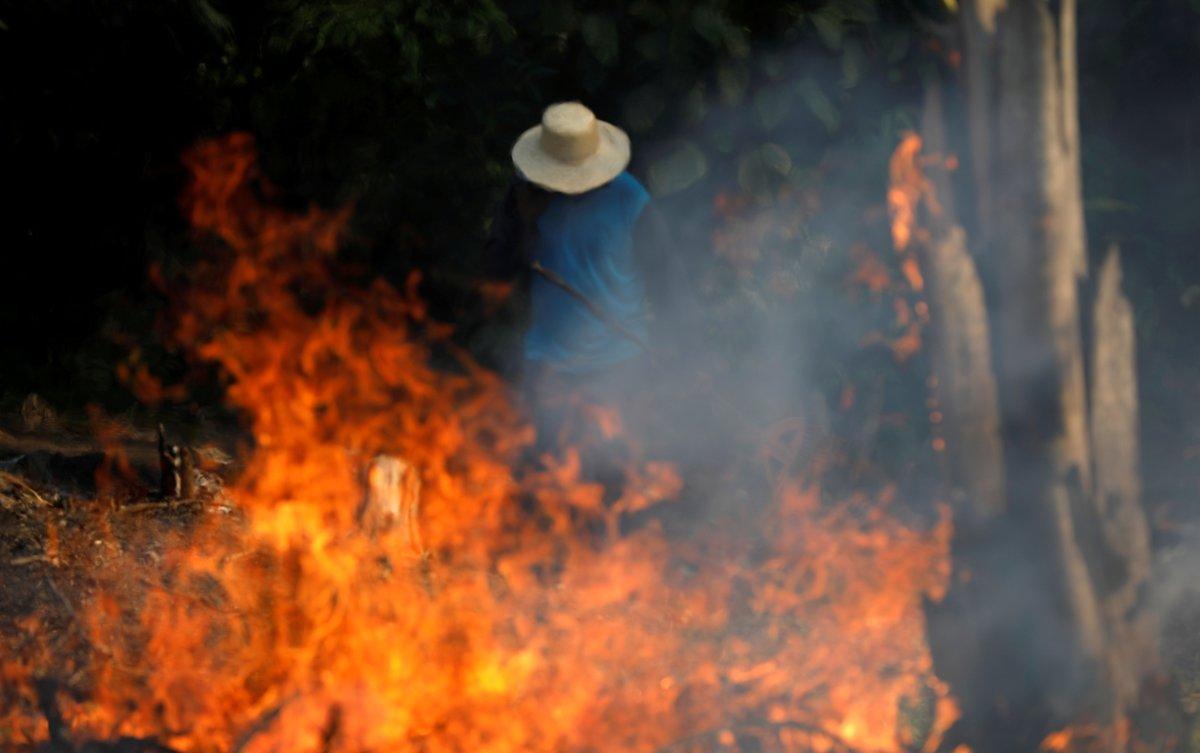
(407, 109)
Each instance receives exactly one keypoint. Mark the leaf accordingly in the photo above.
(763, 168)
(695, 105)
(858, 11)
(213, 20)
(771, 64)
(895, 44)
(643, 107)
(680, 168)
(853, 61)
(829, 28)
(819, 104)
(771, 105)
(776, 158)
(710, 25)
(495, 21)
(732, 80)
(600, 35)
(410, 52)
(713, 25)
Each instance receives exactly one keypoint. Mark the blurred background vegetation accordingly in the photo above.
(763, 129)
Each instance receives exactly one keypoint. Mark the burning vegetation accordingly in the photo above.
(511, 605)
(892, 503)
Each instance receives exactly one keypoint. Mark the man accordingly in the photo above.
(607, 293)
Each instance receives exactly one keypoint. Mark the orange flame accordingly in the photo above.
(908, 190)
(908, 186)
(534, 622)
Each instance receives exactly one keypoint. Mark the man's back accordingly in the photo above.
(587, 241)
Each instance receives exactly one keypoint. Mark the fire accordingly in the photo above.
(908, 186)
(527, 619)
(908, 190)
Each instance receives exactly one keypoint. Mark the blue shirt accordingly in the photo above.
(587, 240)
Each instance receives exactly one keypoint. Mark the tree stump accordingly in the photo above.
(392, 501)
(177, 469)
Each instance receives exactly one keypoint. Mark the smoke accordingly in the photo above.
(1175, 597)
(771, 180)
(792, 349)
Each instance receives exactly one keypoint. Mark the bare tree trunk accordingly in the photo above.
(960, 345)
(978, 22)
(1117, 493)
(962, 638)
(1054, 576)
(1037, 200)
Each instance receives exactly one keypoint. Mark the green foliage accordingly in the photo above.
(408, 108)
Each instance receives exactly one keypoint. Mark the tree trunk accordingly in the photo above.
(978, 26)
(1117, 482)
(960, 345)
(1046, 587)
(392, 502)
(1041, 258)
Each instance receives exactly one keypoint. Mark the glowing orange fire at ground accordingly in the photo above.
(533, 623)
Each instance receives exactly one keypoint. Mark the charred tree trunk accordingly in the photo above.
(1117, 484)
(1040, 261)
(960, 344)
(1047, 585)
(177, 469)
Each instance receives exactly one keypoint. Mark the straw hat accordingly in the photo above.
(571, 151)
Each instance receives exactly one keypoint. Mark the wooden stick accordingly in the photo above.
(17, 481)
(30, 559)
(557, 281)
